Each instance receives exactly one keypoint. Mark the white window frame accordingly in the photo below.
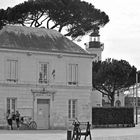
(73, 74)
(11, 103)
(12, 70)
(72, 108)
(43, 77)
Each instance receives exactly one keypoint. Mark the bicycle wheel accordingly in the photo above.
(76, 134)
(23, 126)
(33, 125)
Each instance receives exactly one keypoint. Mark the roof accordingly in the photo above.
(37, 39)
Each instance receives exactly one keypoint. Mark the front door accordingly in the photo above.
(43, 113)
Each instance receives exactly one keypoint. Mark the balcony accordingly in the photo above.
(95, 44)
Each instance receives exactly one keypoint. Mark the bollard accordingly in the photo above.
(68, 134)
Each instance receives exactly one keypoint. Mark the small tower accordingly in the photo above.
(94, 46)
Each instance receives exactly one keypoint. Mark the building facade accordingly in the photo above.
(45, 76)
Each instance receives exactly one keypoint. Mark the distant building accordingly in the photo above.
(119, 100)
(131, 101)
(45, 76)
(95, 47)
(130, 98)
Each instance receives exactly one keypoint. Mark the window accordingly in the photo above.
(11, 104)
(43, 73)
(72, 109)
(73, 74)
(12, 70)
(138, 101)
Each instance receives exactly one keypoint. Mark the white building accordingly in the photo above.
(119, 100)
(95, 47)
(44, 75)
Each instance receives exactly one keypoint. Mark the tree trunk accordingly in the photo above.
(112, 100)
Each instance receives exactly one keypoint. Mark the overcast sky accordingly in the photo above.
(121, 36)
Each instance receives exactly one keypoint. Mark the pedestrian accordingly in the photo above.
(17, 118)
(9, 116)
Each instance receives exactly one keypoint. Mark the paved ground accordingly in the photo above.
(97, 134)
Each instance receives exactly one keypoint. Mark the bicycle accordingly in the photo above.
(26, 123)
(77, 130)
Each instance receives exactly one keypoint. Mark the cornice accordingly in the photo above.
(55, 53)
(20, 85)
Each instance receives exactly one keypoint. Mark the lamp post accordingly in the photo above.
(136, 97)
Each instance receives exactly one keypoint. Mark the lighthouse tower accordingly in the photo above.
(94, 46)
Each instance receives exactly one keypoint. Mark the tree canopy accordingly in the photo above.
(76, 17)
(111, 76)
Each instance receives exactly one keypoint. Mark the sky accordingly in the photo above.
(121, 36)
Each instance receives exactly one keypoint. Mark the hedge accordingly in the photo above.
(112, 115)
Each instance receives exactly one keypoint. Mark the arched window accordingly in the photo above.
(118, 103)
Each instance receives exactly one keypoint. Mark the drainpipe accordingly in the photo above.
(33, 103)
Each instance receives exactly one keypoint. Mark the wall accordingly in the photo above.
(28, 79)
(96, 98)
(28, 67)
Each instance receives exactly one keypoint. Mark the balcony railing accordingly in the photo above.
(95, 44)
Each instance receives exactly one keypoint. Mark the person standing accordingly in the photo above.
(9, 117)
(17, 118)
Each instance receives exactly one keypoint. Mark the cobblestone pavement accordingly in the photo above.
(132, 133)
(97, 134)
